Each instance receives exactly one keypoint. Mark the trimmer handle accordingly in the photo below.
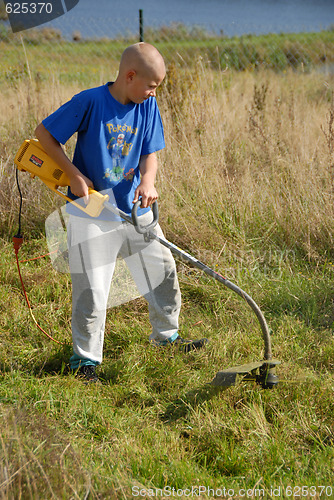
(135, 220)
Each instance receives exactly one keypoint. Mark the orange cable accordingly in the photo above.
(17, 243)
(40, 257)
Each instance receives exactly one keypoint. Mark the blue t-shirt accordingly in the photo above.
(111, 139)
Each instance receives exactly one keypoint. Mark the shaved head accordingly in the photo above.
(141, 71)
(144, 59)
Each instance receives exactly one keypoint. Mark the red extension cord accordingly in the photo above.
(17, 241)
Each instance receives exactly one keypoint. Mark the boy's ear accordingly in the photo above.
(130, 75)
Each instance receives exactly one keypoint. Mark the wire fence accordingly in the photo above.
(86, 45)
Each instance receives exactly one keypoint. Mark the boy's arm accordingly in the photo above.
(148, 167)
(78, 182)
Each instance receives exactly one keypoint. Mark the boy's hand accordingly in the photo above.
(148, 194)
(148, 167)
(80, 185)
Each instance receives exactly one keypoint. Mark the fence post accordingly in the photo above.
(141, 26)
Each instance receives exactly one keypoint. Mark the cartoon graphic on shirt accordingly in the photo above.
(129, 175)
(119, 149)
(114, 175)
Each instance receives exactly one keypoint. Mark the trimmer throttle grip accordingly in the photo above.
(135, 219)
(96, 203)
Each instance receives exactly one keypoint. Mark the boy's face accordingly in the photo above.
(142, 87)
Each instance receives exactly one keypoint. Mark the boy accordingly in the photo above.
(119, 132)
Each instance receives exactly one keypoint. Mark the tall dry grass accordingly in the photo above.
(249, 157)
(37, 461)
(23, 105)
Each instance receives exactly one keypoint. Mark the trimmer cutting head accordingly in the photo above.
(261, 372)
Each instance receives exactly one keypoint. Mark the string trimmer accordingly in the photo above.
(32, 158)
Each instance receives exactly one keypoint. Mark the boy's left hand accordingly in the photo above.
(148, 194)
(146, 190)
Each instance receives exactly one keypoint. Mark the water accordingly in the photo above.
(108, 18)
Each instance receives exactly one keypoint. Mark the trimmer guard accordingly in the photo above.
(259, 371)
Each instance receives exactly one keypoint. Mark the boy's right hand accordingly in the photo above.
(80, 185)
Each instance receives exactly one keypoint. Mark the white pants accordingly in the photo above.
(93, 249)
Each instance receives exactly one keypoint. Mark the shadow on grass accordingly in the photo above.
(179, 408)
(57, 364)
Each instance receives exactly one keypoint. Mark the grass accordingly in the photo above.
(90, 59)
(246, 185)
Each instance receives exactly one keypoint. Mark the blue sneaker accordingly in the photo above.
(88, 374)
(183, 344)
(190, 345)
